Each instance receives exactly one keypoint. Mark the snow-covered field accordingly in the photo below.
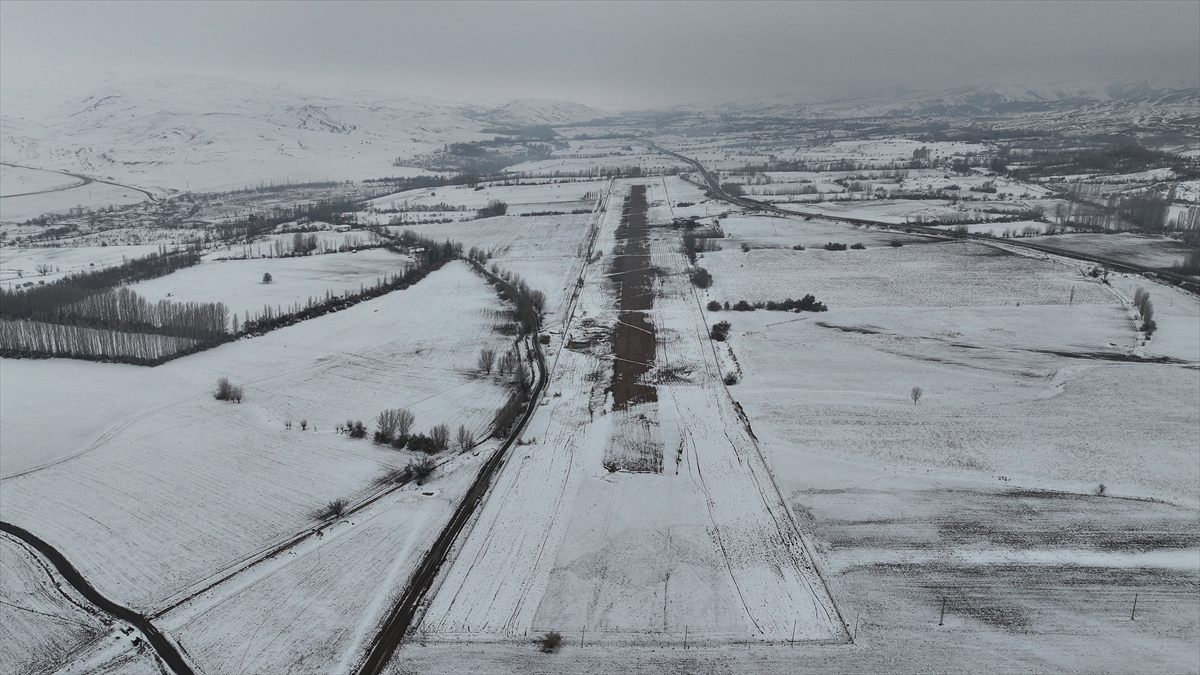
(151, 486)
(239, 283)
(706, 545)
(20, 265)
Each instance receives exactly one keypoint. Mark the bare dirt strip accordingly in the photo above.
(634, 338)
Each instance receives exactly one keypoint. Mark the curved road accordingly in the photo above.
(162, 646)
(86, 181)
(1179, 280)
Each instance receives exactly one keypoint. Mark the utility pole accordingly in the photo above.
(1134, 611)
(942, 619)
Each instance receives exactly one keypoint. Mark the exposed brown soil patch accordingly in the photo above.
(634, 338)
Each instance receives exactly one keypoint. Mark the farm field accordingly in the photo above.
(194, 509)
(239, 283)
(720, 557)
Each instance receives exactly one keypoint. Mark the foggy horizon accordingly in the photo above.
(615, 56)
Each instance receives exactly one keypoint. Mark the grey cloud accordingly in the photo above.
(613, 55)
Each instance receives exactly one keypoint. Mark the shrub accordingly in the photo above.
(227, 391)
(831, 246)
(731, 379)
(423, 443)
(720, 331)
(421, 468)
(806, 304)
(267, 278)
(551, 642)
(797, 247)
(714, 306)
(701, 278)
(303, 425)
(743, 306)
(494, 207)
(896, 243)
(508, 414)
(858, 247)
(745, 248)
(356, 429)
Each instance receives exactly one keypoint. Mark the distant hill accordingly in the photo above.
(538, 112)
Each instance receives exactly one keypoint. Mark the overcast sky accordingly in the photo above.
(612, 55)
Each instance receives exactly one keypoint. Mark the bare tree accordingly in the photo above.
(333, 510)
(465, 439)
(393, 424)
(487, 358)
(440, 435)
(916, 394)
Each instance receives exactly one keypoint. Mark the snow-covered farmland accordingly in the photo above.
(704, 545)
(45, 619)
(21, 265)
(239, 283)
(153, 487)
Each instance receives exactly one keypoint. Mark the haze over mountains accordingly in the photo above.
(172, 134)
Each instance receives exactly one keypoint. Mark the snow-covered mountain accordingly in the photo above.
(536, 112)
(971, 101)
(169, 134)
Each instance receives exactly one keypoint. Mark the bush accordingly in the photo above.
(831, 246)
(896, 243)
(714, 306)
(806, 304)
(421, 468)
(731, 379)
(356, 429)
(551, 642)
(743, 306)
(508, 414)
(227, 391)
(423, 443)
(720, 331)
(745, 248)
(701, 278)
(267, 278)
(494, 207)
(858, 247)
(797, 247)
